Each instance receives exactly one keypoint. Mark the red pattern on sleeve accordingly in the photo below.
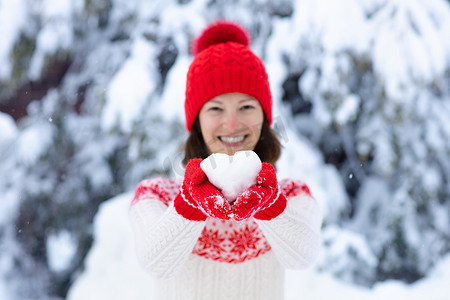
(160, 188)
(291, 188)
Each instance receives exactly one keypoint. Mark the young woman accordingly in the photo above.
(198, 244)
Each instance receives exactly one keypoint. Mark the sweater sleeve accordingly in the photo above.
(164, 239)
(294, 235)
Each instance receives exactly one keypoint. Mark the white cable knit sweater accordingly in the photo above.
(216, 259)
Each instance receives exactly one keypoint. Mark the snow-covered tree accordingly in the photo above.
(370, 88)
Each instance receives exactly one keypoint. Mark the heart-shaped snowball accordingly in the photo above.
(232, 174)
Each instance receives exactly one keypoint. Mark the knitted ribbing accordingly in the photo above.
(164, 239)
(202, 279)
(225, 66)
(295, 234)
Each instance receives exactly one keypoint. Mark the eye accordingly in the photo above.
(214, 109)
(247, 107)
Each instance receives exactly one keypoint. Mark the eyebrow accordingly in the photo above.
(248, 99)
(215, 101)
(240, 101)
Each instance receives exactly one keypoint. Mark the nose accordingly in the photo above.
(231, 121)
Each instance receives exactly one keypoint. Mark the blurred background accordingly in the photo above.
(91, 102)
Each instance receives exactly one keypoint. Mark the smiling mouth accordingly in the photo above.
(232, 140)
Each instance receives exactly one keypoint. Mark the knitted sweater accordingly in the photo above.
(218, 259)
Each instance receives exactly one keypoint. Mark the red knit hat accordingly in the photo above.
(223, 64)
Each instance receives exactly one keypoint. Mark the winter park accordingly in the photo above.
(92, 103)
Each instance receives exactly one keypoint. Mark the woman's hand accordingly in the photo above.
(263, 200)
(199, 198)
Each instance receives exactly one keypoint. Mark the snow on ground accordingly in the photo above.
(112, 271)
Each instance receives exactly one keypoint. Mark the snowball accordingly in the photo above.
(232, 174)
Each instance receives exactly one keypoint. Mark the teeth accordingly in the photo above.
(232, 140)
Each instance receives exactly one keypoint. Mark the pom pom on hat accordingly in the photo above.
(220, 32)
(224, 63)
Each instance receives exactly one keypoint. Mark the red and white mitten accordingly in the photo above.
(262, 201)
(198, 198)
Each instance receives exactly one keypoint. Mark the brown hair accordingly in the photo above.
(268, 147)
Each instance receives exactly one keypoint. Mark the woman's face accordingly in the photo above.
(231, 122)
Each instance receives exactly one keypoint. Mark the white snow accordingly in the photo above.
(415, 56)
(299, 160)
(56, 33)
(172, 100)
(54, 36)
(348, 110)
(315, 285)
(61, 248)
(33, 142)
(9, 206)
(130, 90)
(4, 291)
(12, 20)
(112, 269)
(338, 25)
(8, 128)
(232, 174)
(58, 8)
